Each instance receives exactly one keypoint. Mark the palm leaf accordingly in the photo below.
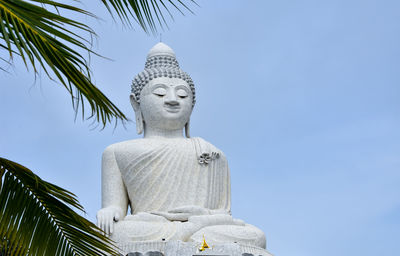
(36, 218)
(149, 14)
(42, 39)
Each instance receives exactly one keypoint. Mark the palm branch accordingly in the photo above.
(149, 14)
(36, 218)
(44, 39)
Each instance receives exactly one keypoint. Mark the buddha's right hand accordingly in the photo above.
(106, 218)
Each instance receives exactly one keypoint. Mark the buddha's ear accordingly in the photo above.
(187, 129)
(138, 113)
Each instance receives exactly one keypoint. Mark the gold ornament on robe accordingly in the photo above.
(204, 245)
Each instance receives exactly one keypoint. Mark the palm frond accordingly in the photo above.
(149, 14)
(36, 218)
(5, 61)
(42, 39)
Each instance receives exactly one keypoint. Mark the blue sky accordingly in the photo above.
(302, 96)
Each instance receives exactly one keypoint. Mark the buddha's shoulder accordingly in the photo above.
(139, 146)
(129, 146)
(207, 146)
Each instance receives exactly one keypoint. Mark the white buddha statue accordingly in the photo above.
(177, 187)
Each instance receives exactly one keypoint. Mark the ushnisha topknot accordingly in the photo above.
(161, 62)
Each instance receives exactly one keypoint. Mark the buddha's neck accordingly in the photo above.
(150, 132)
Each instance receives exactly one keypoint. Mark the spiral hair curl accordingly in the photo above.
(160, 65)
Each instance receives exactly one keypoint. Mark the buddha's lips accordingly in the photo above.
(172, 109)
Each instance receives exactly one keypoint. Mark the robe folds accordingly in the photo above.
(162, 174)
(157, 175)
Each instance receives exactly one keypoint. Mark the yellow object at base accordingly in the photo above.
(204, 245)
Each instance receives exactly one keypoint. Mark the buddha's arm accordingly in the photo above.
(225, 205)
(114, 195)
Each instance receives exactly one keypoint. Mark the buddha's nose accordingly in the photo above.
(171, 99)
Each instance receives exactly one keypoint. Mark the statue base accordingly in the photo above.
(179, 248)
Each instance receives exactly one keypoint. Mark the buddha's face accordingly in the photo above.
(166, 103)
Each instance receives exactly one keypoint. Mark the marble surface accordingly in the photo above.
(177, 188)
(179, 248)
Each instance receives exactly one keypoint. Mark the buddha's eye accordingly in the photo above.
(160, 91)
(181, 93)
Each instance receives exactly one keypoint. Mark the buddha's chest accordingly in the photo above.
(165, 178)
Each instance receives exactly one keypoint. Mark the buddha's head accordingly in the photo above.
(163, 95)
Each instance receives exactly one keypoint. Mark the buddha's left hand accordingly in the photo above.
(183, 213)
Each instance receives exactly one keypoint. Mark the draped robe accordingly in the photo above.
(161, 174)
